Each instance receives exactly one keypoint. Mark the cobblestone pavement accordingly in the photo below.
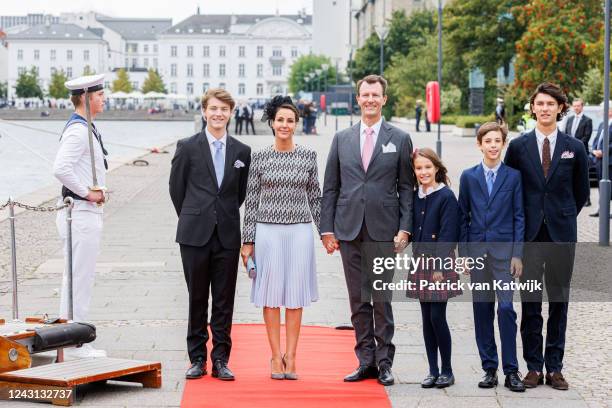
(140, 304)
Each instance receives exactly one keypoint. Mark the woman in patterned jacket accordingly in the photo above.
(283, 199)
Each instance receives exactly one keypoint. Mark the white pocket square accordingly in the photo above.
(238, 164)
(567, 155)
(389, 148)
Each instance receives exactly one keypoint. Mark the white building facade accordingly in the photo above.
(249, 55)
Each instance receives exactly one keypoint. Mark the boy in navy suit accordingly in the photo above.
(493, 227)
(554, 173)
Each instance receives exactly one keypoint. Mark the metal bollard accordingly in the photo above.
(70, 202)
(13, 258)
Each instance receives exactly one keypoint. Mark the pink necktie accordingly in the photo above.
(368, 148)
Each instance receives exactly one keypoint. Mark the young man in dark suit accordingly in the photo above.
(555, 179)
(493, 228)
(580, 126)
(207, 186)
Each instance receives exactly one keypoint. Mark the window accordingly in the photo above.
(69, 55)
(173, 87)
(155, 48)
(189, 88)
(53, 55)
(69, 72)
(21, 70)
(107, 84)
(260, 51)
(222, 50)
(86, 55)
(146, 48)
(53, 71)
(146, 63)
(126, 62)
(277, 70)
(133, 48)
(155, 63)
(206, 71)
(240, 89)
(222, 85)
(294, 52)
(173, 51)
(277, 52)
(190, 50)
(135, 85)
(36, 54)
(206, 51)
(241, 70)
(134, 62)
(259, 70)
(241, 51)
(205, 87)
(221, 70)
(259, 89)
(189, 70)
(173, 70)
(19, 54)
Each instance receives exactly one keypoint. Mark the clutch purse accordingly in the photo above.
(250, 268)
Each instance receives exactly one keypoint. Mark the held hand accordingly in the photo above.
(437, 277)
(516, 267)
(466, 270)
(400, 241)
(246, 251)
(598, 153)
(330, 243)
(95, 196)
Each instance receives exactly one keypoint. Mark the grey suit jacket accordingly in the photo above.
(382, 197)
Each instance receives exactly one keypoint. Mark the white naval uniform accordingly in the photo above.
(72, 167)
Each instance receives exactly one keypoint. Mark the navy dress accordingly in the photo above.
(436, 232)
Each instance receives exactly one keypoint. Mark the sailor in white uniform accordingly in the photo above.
(73, 168)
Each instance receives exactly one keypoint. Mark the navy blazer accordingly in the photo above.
(557, 199)
(498, 218)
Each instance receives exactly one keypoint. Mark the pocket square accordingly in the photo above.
(238, 164)
(567, 155)
(389, 148)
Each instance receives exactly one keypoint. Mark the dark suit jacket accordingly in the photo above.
(598, 145)
(198, 201)
(584, 130)
(498, 219)
(557, 199)
(382, 196)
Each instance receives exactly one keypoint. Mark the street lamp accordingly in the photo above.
(382, 32)
(604, 183)
(325, 67)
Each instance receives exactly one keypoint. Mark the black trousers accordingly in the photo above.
(554, 263)
(371, 316)
(249, 122)
(210, 269)
(238, 129)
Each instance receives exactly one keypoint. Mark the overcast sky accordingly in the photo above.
(177, 9)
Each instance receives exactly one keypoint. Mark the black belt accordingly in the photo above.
(69, 193)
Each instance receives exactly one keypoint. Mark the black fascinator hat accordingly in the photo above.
(276, 103)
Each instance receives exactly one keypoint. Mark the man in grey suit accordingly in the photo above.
(367, 198)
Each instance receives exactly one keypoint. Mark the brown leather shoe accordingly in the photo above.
(556, 381)
(533, 379)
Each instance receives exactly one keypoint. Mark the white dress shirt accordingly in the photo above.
(211, 139)
(575, 123)
(552, 139)
(486, 169)
(72, 166)
(362, 135)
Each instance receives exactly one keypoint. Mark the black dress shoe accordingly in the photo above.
(429, 381)
(385, 376)
(489, 380)
(197, 370)
(444, 381)
(514, 383)
(362, 372)
(221, 371)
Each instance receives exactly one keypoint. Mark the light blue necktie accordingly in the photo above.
(219, 161)
(490, 180)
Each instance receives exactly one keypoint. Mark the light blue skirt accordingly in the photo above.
(286, 270)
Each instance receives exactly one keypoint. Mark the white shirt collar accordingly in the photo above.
(211, 139)
(494, 169)
(430, 190)
(376, 127)
(552, 138)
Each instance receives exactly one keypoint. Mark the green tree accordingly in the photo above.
(306, 64)
(122, 83)
(554, 46)
(57, 87)
(592, 91)
(27, 85)
(153, 83)
(88, 71)
(3, 90)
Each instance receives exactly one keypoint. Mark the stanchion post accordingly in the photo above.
(70, 204)
(11, 205)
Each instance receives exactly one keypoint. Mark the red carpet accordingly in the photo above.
(324, 357)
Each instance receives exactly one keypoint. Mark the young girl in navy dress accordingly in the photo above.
(436, 231)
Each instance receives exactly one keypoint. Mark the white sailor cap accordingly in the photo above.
(92, 83)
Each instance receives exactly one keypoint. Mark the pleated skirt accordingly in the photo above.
(286, 268)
